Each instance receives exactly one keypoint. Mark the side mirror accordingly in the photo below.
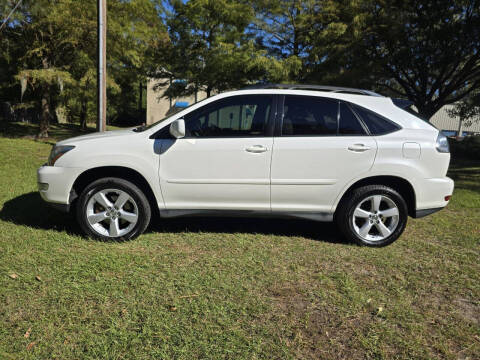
(177, 128)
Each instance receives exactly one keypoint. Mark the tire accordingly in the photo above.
(113, 209)
(362, 216)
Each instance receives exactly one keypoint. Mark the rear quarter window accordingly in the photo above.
(376, 124)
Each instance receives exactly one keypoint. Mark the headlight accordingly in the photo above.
(442, 143)
(57, 152)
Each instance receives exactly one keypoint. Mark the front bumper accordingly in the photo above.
(65, 208)
(55, 184)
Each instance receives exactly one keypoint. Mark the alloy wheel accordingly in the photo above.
(375, 218)
(112, 212)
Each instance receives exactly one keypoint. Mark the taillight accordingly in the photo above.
(442, 143)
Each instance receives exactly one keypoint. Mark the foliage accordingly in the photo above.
(468, 147)
(212, 50)
(55, 49)
(426, 51)
(467, 109)
(285, 26)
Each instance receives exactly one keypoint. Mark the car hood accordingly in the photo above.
(97, 135)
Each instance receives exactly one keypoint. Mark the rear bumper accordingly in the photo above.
(426, 212)
(55, 184)
(430, 194)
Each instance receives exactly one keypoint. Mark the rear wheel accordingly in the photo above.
(113, 209)
(373, 215)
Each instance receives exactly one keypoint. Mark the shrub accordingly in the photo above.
(468, 147)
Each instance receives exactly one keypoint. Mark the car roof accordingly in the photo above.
(327, 88)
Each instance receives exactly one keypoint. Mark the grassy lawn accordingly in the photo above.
(233, 288)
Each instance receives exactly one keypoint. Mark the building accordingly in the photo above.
(159, 107)
(452, 126)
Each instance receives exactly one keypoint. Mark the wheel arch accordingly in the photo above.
(122, 172)
(401, 185)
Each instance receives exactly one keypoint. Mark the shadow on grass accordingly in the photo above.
(30, 210)
(466, 174)
(313, 230)
(56, 131)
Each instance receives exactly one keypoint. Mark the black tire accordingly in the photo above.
(142, 207)
(345, 221)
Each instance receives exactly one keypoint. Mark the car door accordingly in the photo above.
(320, 145)
(224, 160)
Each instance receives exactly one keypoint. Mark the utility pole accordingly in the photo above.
(102, 65)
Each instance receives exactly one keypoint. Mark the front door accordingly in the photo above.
(223, 162)
(321, 147)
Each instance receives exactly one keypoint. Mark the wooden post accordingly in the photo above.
(102, 65)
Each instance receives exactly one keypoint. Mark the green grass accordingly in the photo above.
(233, 288)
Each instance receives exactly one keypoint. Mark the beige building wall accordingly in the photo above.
(443, 121)
(159, 107)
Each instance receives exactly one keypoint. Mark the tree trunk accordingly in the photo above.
(140, 97)
(83, 114)
(296, 45)
(45, 118)
(426, 110)
(209, 91)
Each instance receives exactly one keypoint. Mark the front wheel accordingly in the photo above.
(373, 215)
(113, 209)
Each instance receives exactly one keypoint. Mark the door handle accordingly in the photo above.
(256, 149)
(359, 148)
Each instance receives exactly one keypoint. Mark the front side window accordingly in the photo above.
(309, 116)
(239, 116)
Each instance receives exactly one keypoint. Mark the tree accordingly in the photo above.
(283, 28)
(136, 35)
(284, 25)
(467, 109)
(334, 41)
(55, 52)
(427, 51)
(212, 50)
(46, 36)
(202, 34)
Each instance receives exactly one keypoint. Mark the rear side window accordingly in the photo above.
(349, 124)
(376, 124)
(309, 116)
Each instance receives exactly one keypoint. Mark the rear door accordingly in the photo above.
(320, 145)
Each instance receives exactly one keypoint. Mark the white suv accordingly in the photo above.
(314, 152)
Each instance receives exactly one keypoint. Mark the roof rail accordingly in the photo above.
(336, 89)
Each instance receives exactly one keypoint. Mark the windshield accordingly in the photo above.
(142, 128)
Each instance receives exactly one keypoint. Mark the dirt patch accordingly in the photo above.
(314, 329)
(467, 310)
